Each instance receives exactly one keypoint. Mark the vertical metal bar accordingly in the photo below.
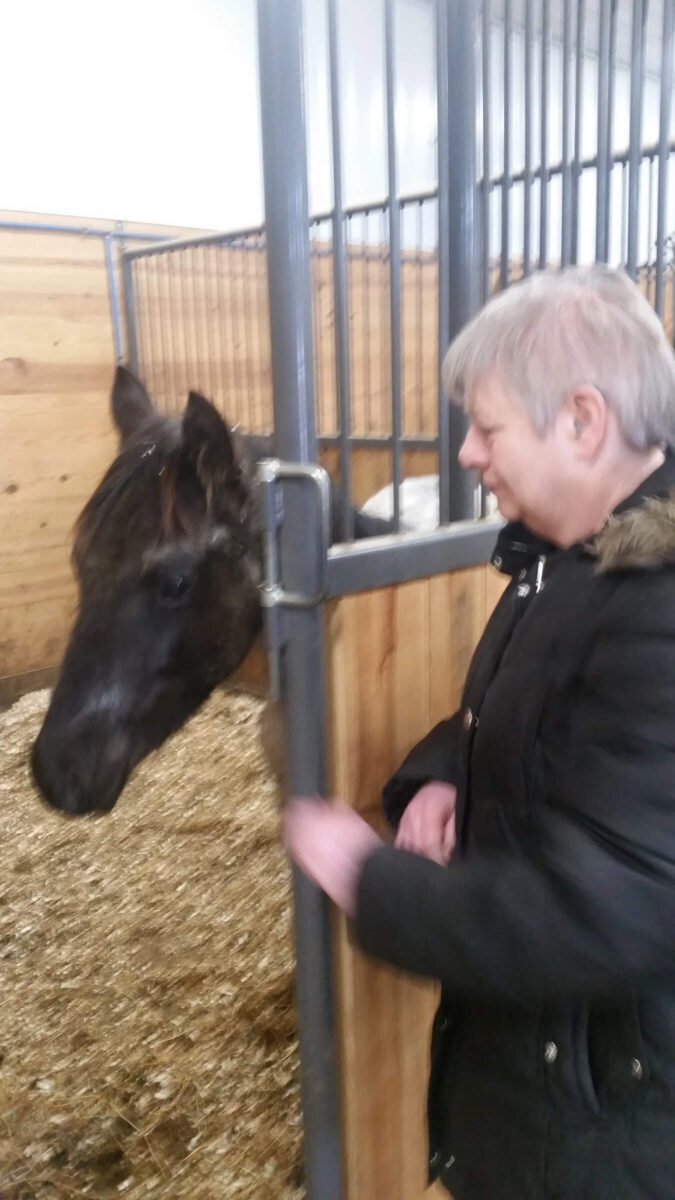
(624, 212)
(340, 284)
(419, 322)
(566, 224)
(248, 338)
(506, 176)
(182, 271)
(606, 62)
(443, 144)
(486, 186)
(394, 257)
(217, 253)
(113, 298)
(167, 257)
(457, 223)
(635, 137)
(527, 172)
(664, 122)
(130, 312)
(578, 117)
(365, 291)
(206, 310)
(650, 224)
(146, 344)
(543, 176)
(289, 284)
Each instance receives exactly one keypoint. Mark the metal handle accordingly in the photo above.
(270, 471)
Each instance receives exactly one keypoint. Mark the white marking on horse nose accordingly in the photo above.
(107, 699)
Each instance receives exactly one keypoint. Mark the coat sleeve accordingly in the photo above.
(435, 757)
(587, 905)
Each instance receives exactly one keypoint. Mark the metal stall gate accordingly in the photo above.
(555, 145)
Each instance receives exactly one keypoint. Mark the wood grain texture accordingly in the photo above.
(397, 658)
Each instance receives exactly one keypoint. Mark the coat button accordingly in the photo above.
(467, 720)
(636, 1068)
(550, 1052)
(523, 589)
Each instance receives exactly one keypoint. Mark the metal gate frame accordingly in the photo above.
(380, 561)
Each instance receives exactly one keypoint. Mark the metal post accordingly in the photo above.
(506, 174)
(527, 116)
(634, 156)
(394, 260)
(566, 231)
(114, 301)
(543, 177)
(462, 246)
(664, 119)
(289, 284)
(130, 313)
(578, 116)
(340, 285)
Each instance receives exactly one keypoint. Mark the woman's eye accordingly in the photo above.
(175, 589)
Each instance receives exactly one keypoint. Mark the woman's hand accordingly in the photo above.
(330, 843)
(428, 823)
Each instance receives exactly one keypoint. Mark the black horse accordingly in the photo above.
(168, 560)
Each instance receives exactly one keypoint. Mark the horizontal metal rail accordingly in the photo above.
(399, 558)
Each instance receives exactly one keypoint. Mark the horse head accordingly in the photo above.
(167, 556)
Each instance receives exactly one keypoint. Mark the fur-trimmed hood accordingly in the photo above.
(640, 534)
(639, 538)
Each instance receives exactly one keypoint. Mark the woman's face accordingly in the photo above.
(529, 474)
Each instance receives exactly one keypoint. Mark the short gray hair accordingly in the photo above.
(558, 329)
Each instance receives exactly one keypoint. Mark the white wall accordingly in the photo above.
(148, 110)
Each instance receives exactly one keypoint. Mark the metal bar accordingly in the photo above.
(636, 93)
(543, 186)
(130, 314)
(365, 441)
(82, 231)
(392, 559)
(603, 137)
(394, 258)
(419, 325)
(171, 336)
(578, 117)
(185, 322)
(664, 120)
(443, 150)
(201, 239)
(460, 67)
(219, 334)
(340, 284)
(289, 286)
(486, 82)
(566, 223)
(506, 116)
(527, 171)
(366, 293)
(206, 318)
(114, 301)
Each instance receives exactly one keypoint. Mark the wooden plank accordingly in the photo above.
(396, 660)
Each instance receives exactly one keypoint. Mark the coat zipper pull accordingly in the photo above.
(539, 582)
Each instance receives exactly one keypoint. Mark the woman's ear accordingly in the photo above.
(584, 416)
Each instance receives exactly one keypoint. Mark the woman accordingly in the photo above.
(533, 872)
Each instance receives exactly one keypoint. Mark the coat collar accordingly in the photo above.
(639, 534)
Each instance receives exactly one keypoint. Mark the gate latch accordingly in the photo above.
(270, 472)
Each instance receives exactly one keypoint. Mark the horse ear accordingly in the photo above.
(130, 403)
(207, 439)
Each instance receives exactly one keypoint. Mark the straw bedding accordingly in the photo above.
(147, 1028)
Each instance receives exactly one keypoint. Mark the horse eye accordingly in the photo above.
(175, 589)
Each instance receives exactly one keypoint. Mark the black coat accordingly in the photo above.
(552, 931)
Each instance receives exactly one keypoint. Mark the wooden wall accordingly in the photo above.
(56, 366)
(397, 658)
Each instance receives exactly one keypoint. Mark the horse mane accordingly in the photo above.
(152, 462)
